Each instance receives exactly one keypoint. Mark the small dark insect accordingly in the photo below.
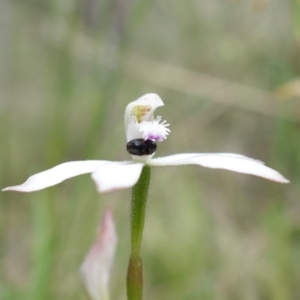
(141, 147)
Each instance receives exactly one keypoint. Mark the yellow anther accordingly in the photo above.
(141, 111)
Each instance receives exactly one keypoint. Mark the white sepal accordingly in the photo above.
(56, 175)
(228, 161)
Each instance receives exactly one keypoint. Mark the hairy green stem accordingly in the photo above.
(138, 212)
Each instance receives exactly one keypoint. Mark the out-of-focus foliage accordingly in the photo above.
(67, 71)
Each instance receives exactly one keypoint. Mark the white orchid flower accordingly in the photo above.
(140, 127)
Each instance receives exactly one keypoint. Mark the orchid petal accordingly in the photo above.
(133, 130)
(56, 175)
(95, 270)
(228, 161)
(117, 175)
(150, 100)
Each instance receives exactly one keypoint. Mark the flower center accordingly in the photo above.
(143, 131)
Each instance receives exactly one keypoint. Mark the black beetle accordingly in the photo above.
(141, 147)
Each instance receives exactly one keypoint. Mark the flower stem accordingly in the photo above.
(138, 211)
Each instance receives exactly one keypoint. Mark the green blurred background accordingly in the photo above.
(227, 72)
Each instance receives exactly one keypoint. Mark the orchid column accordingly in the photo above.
(142, 131)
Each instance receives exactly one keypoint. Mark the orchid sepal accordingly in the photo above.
(227, 161)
